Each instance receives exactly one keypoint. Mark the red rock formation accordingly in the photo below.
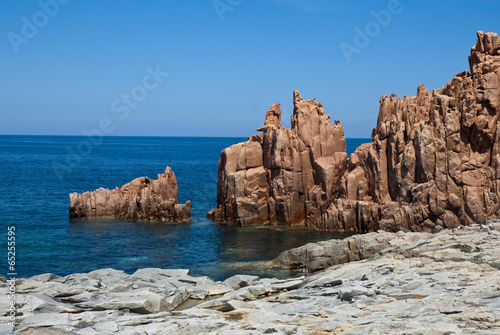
(434, 160)
(283, 175)
(141, 199)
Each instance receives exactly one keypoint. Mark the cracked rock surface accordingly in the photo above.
(434, 160)
(418, 283)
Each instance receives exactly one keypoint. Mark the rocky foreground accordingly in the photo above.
(409, 283)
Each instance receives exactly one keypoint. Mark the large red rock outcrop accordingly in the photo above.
(434, 160)
(141, 199)
(283, 175)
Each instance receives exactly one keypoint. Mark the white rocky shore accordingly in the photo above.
(416, 283)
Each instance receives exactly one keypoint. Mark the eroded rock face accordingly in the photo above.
(283, 175)
(141, 199)
(435, 157)
(434, 160)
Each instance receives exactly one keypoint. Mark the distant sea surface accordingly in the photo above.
(38, 173)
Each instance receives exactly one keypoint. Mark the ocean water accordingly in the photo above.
(39, 172)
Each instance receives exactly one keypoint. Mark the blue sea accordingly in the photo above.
(38, 173)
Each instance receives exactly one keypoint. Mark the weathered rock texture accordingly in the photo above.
(283, 175)
(313, 257)
(434, 160)
(419, 283)
(141, 199)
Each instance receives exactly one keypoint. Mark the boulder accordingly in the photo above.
(318, 256)
(140, 200)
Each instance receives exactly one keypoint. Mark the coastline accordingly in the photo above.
(84, 245)
(230, 167)
(419, 283)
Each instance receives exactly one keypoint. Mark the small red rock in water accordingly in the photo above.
(141, 199)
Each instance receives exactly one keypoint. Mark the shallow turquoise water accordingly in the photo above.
(38, 173)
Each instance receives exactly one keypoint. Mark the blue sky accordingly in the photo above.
(227, 61)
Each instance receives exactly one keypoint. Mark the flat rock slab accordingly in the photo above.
(418, 284)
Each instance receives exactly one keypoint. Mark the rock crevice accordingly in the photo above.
(434, 160)
(380, 282)
(282, 175)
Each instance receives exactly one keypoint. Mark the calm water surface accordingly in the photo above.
(38, 173)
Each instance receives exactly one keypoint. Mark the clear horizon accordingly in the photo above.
(213, 68)
(42, 135)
